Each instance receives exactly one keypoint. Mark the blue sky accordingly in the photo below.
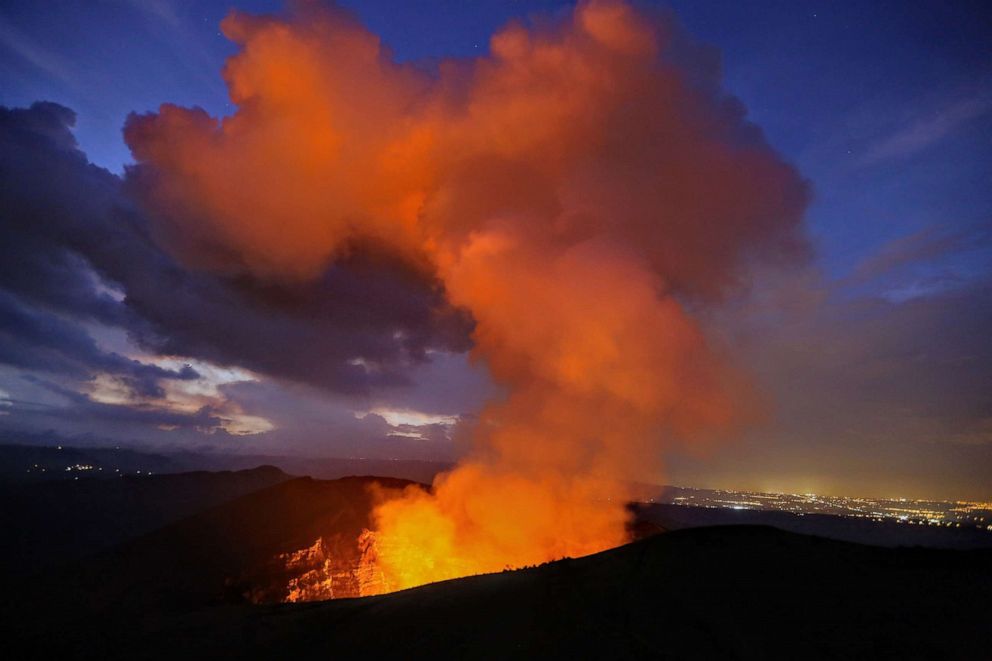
(885, 107)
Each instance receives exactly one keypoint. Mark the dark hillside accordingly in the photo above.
(50, 523)
(724, 592)
(227, 554)
(844, 528)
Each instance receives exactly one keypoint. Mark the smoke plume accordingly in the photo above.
(580, 191)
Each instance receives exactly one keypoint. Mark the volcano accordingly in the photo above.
(299, 540)
(216, 585)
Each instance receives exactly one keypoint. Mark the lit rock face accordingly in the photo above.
(333, 568)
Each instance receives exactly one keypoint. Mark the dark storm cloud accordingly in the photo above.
(68, 226)
(36, 340)
(54, 211)
(357, 327)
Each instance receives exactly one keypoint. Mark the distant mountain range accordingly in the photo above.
(36, 463)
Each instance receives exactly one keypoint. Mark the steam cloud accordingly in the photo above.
(579, 191)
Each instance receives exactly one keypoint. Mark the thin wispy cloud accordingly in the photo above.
(923, 263)
(929, 243)
(172, 26)
(36, 55)
(160, 9)
(928, 128)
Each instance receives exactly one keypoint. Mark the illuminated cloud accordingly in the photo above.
(188, 397)
(579, 192)
(398, 417)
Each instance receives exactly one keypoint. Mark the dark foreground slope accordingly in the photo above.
(844, 528)
(46, 524)
(229, 554)
(725, 592)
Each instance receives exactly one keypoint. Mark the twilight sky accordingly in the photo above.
(872, 356)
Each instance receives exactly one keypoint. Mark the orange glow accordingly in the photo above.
(572, 190)
(598, 366)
